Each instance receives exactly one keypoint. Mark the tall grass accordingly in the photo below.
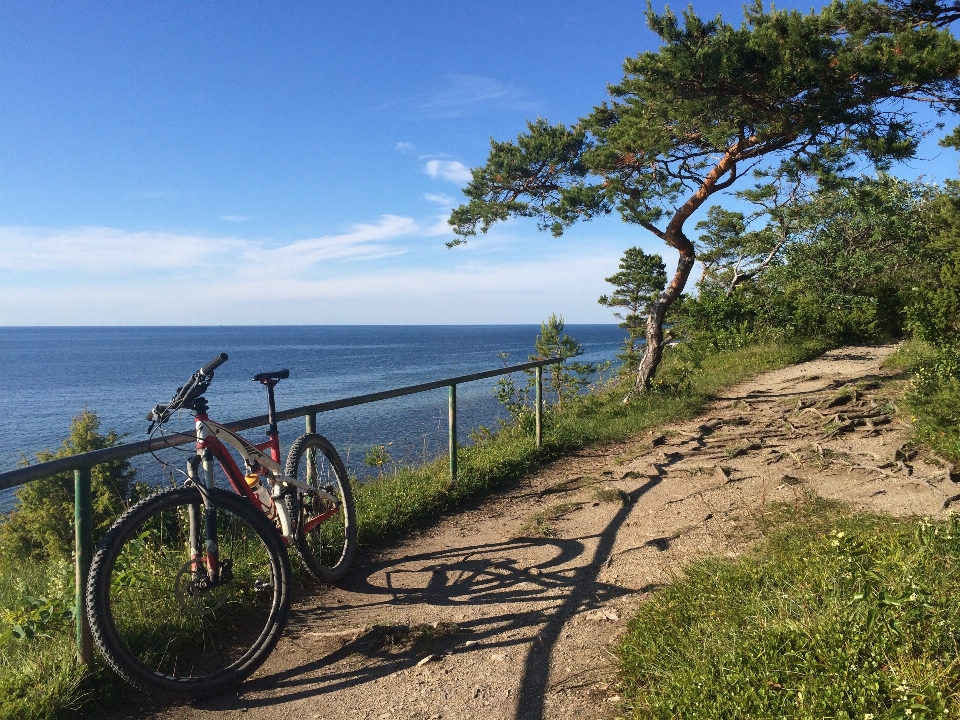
(39, 677)
(835, 615)
(933, 394)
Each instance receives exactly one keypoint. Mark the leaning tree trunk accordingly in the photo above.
(653, 352)
(674, 237)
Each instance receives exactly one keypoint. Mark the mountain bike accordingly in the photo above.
(189, 591)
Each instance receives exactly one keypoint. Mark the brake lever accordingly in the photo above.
(161, 413)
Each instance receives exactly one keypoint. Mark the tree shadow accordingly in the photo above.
(479, 575)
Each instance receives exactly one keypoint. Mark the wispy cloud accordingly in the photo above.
(467, 94)
(236, 218)
(96, 251)
(367, 241)
(109, 276)
(404, 147)
(458, 292)
(451, 170)
(444, 201)
(103, 249)
(459, 96)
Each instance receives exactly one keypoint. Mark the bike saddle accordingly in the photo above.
(275, 375)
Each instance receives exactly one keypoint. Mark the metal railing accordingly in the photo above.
(82, 464)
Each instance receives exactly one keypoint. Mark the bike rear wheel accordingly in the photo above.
(326, 538)
(159, 622)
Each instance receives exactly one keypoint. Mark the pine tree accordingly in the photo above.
(640, 280)
(565, 379)
(809, 93)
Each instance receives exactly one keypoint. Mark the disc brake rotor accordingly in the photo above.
(198, 596)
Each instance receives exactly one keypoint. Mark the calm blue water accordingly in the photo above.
(49, 375)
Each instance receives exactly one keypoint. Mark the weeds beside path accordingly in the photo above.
(513, 608)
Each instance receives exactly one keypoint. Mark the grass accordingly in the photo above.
(833, 615)
(540, 524)
(609, 494)
(933, 394)
(39, 677)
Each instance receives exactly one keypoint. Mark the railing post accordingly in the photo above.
(311, 453)
(539, 404)
(83, 523)
(453, 433)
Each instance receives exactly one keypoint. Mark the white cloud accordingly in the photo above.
(403, 147)
(451, 170)
(445, 201)
(104, 249)
(362, 242)
(466, 94)
(96, 251)
(459, 292)
(458, 96)
(104, 276)
(236, 218)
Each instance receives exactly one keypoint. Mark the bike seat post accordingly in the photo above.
(269, 383)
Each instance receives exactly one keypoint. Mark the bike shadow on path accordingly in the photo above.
(541, 597)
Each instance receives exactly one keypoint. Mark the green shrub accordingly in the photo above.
(933, 395)
(42, 526)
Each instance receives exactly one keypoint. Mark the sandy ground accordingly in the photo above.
(511, 609)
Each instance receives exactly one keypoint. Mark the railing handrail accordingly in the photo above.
(20, 476)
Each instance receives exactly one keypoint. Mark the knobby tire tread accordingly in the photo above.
(316, 569)
(106, 636)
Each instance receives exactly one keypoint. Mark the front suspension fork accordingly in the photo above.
(209, 522)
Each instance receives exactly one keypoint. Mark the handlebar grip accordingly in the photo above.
(214, 364)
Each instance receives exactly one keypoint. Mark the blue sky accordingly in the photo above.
(263, 162)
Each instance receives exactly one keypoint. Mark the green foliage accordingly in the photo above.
(933, 395)
(378, 457)
(934, 313)
(639, 281)
(514, 397)
(42, 525)
(39, 674)
(722, 248)
(565, 379)
(854, 271)
(834, 615)
(812, 94)
(37, 615)
(854, 257)
(784, 84)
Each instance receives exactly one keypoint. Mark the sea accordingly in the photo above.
(49, 375)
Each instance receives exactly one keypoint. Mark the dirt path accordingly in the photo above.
(511, 609)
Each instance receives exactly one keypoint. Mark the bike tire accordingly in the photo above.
(153, 625)
(327, 550)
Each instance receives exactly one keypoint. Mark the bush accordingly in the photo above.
(42, 526)
(933, 397)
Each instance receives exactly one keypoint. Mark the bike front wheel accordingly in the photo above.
(162, 623)
(326, 537)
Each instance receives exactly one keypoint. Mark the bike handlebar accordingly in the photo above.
(194, 388)
(214, 364)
